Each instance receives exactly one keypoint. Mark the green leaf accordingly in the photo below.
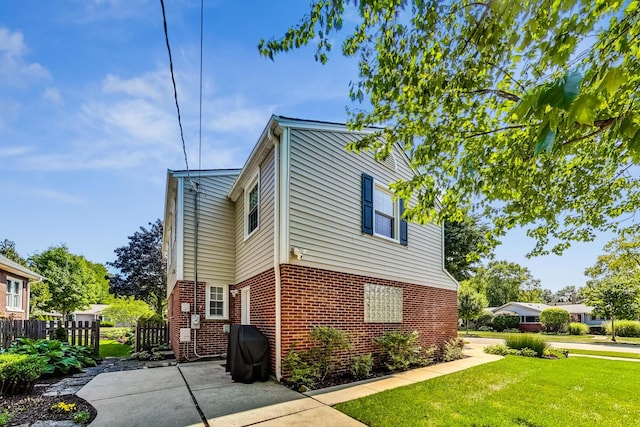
(571, 89)
(545, 141)
(584, 109)
(614, 78)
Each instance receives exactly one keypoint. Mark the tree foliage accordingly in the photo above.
(614, 300)
(502, 282)
(8, 250)
(142, 268)
(127, 310)
(471, 304)
(462, 241)
(524, 112)
(67, 282)
(620, 260)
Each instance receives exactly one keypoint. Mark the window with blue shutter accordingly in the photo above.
(403, 225)
(367, 204)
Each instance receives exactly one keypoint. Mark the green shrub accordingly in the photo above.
(555, 319)
(330, 341)
(505, 321)
(577, 328)
(527, 352)
(61, 334)
(400, 350)
(5, 416)
(18, 372)
(301, 372)
(551, 352)
(625, 328)
(500, 350)
(452, 349)
(81, 417)
(532, 342)
(122, 335)
(60, 357)
(107, 324)
(485, 319)
(485, 328)
(361, 366)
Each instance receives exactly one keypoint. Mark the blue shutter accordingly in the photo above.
(367, 204)
(403, 226)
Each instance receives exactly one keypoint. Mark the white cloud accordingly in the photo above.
(15, 70)
(52, 95)
(13, 151)
(147, 86)
(57, 196)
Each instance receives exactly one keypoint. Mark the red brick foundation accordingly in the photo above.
(314, 297)
(530, 327)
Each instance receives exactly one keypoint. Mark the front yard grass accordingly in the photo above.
(112, 348)
(605, 353)
(588, 339)
(516, 391)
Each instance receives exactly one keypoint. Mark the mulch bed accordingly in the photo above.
(32, 407)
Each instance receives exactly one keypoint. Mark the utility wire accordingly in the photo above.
(175, 90)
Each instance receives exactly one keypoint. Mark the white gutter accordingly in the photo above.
(276, 253)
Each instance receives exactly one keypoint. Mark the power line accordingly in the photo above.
(175, 90)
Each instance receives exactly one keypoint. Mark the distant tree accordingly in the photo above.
(8, 249)
(547, 296)
(531, 291)
(127, 310)
(614, 300)
(98, 281)
(471, 304)
(463, 242)
(555, 319)
(620, 260)
(142, 268)
(502, 282)
(66, 279)
(567, 294)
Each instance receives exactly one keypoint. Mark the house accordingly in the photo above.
(305, 234)
(14, 288)
(530, 314)
(92, 314)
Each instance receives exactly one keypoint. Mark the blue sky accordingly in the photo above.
(88, 125)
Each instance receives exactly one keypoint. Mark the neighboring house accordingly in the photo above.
(14, 288)
(530, 314)
(305, 234)
(92, 314)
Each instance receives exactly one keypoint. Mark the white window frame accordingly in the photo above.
(255, 181)
(396, 212)
(225, 302)
(20, 283)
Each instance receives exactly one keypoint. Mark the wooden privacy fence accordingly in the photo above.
(151, 334)
(86, 333)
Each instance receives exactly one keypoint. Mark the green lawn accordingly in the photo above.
(557, 338)
(605, 353)
(112, 348)
(515, 391)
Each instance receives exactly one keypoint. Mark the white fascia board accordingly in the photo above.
(205, 173)
(180, 230)
(318, 125)
(168, 196)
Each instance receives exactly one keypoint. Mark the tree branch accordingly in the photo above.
(495, 130)
(497, 92)
(506, 73)
(602, 125)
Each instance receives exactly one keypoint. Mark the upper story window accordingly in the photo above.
(385, 212)
(14, 294)
(381, 215)
(252, 206)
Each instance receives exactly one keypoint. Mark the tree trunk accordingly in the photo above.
(467, 324)
(613, 328)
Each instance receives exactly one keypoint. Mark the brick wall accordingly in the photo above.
(314, 297)
(18, 315)
(210, 338)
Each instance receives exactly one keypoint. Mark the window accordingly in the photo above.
(382, 304)
(530, 319)
(216, 302)
(381, 215)
(384, 213)
(14, 294)
(252, 206)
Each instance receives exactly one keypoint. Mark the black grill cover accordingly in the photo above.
(247, 354)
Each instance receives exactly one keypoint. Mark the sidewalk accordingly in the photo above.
(184, 395)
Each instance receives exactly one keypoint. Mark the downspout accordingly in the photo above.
(276, 252)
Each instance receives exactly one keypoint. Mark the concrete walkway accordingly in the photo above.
(597, 346)
(187, 394)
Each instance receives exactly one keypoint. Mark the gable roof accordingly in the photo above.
(529, 305)
(13, 267)
(93, 309)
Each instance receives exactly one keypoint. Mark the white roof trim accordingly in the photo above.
(20, 270)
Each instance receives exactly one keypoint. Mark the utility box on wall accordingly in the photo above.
(185, 335)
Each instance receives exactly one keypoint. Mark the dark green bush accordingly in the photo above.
(485, 320)
(18, 372)
(505, 321)
(301, 372)
(361, 366)
(61, 334)
(400, 350)
(107, 324)
(577, 328)
(60, 358)
(532, 342)
(452, 349)
(329, 342)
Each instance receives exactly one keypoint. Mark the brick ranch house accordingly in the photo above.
(14, 289)
(305, 234)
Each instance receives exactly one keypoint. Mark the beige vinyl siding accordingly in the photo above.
(216, 239)
(325, 214)
(255, 254)
(172, 244)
